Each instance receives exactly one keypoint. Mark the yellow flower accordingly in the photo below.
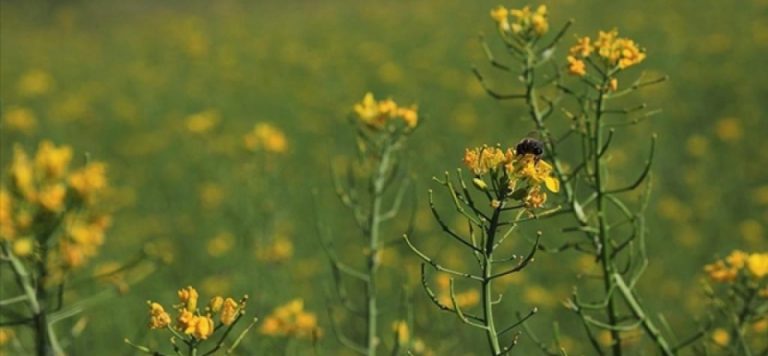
(481, 160)
(535, 198)
(220, 244)
(20, 119)
(621, 52)
(203, 327)
(613, 84)
(51, 197)
(89, 180)
(367, 109)
(400, 328)
(267, 137)
(757, 264)
(51, 160)
(215, 304)
(720, 273)
(229, 312)
(576, 66)
(23, 174)
(73, 255)
(188, 297)
(721, 337)
(271, 326)
(202, 122)
(409, 115)
(7, 228)
(35, 82)
(539, 20)
(158, 318)
(23, 247)
(186, 321)
(500, 14)
(582, 48)
(737, 259)
(6, 335)
(376, 114)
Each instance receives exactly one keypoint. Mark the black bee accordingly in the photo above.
(530, 146)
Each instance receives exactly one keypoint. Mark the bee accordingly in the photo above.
(531, 146)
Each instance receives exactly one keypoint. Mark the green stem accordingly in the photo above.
(602, 223)
(378, 181)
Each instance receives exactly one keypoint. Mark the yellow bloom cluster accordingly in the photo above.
(291, 320)
(265, 137)
(727, 270)
(524, 21)
(44, 185)
(614, 51)
(513, 169)
(190, 320)
(279, 250)
(378, 115)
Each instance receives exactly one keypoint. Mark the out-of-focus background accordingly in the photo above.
(165, 91)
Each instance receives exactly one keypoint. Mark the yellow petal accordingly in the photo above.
(552, 184)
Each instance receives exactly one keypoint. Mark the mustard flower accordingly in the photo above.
(158, 318)
(188, 297)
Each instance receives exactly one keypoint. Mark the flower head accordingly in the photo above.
(229, 311)
(188, 297)
(378, 115)
(158, 318)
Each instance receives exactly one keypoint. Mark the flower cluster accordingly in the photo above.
(728, 269)
(524, 21)
(379, 115)
(291, 320)
(617, 53)
(43, 194)
(265, 137)
(518, 175)
(192, 322)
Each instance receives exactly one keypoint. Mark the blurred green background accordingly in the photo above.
(120, 80)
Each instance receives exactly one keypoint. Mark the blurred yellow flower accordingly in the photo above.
(6, 335)
(721, 337)
(20, 119)
(7, 228)
(188, 297)
(279, 250)
(52, 161)
(267, 137)
(89, 180)
(220, 244)
(22, 174)
(51, 197)
(23, 247)
(34, 83)
(378, 114)
(158, 318)
(290, 319)
(757, 264)
(202, 122)
(211, 195)
(500, 14)
(402, 331)
(729, 129)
